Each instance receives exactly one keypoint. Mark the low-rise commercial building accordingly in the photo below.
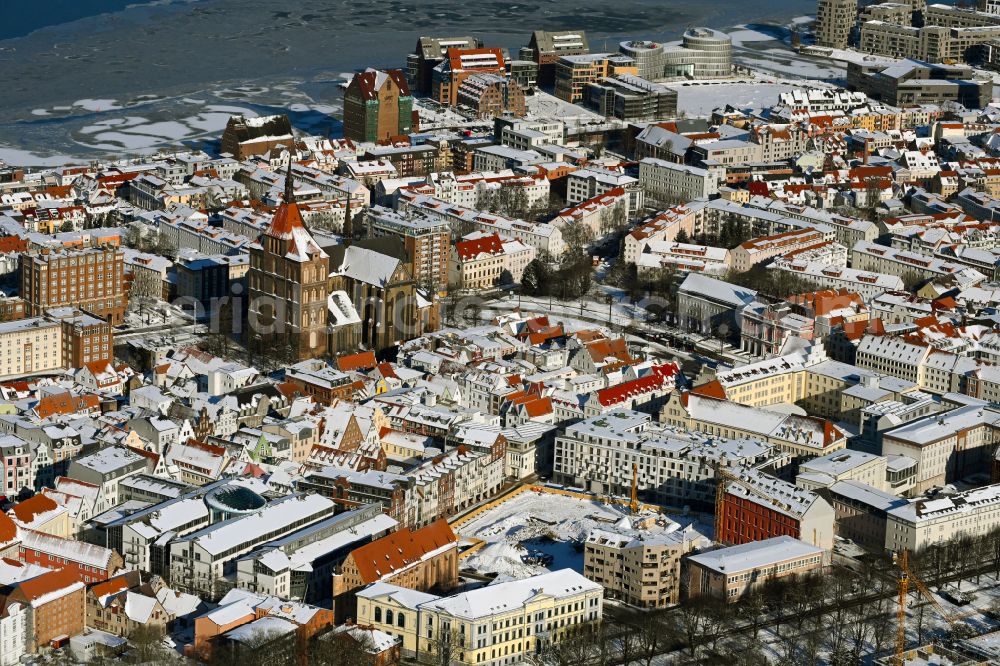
(729, 573)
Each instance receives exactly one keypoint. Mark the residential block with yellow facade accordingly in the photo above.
(495, 625)
(574, 72)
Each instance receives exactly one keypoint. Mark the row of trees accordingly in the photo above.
(571, 278)
(844, 616)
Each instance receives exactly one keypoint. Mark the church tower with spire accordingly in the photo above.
(287, 282)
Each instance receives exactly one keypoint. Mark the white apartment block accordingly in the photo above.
(672, 466)
(947, 446)
(667, 181)
(199, 560)
(925, 522)
(827, 276)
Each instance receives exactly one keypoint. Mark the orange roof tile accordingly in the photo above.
(354, 362)
(27, 510)
(47, 583)
(398, 550)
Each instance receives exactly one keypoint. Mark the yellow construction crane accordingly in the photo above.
(906, 576)
(634, 504)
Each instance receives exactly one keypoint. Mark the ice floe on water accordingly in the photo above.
(97, 104)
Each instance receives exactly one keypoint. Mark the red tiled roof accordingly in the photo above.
(539, 407)
(47, 583)
(27, 510)
(712, 389)
(8, 530)
(360, 361)
(619, 393)
(65, 403)
(110, 586)
(470, 249)
(400, 549)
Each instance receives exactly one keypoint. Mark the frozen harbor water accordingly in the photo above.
(169, 61)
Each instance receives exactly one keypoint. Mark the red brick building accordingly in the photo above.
(58, 606)
(91, 279)
(87, 563)
(756, 506)
(421, 559)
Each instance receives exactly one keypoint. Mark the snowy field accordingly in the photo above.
(543, 522)
(549, 524)
(700, 98)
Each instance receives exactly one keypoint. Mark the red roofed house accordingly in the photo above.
(87, 562)
(43, 514)
(67, 403)
(360, 362)
(58, 607)
(477, 263)
(422, 559)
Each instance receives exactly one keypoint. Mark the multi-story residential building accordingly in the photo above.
(15, 460)
(667, 182)
(671, 465)
(198, 561)
(632, 98)
(830, 276)
(861, 512)
(87, 562)
(914, 83)
(378, 106)
(438, 488)
(541, 236)
(425, 239)
(759, 250)
(208, 281)
(428, 54)
(490, 95)
(846, 465)
(30, 346)
(729, 573)
(460, 64)
(758, 506)
(926, 522)
(893, 261)
(302, 565)
(640, 567)
(245, 137)
(947, 446)
(498, 624)
(56, 603)
(106, 469)
(89, 278)
(478, 263)
(764, 328)
(85, 338)
(585, 184)
(683, 257)
(546, 47)
(573, 73)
